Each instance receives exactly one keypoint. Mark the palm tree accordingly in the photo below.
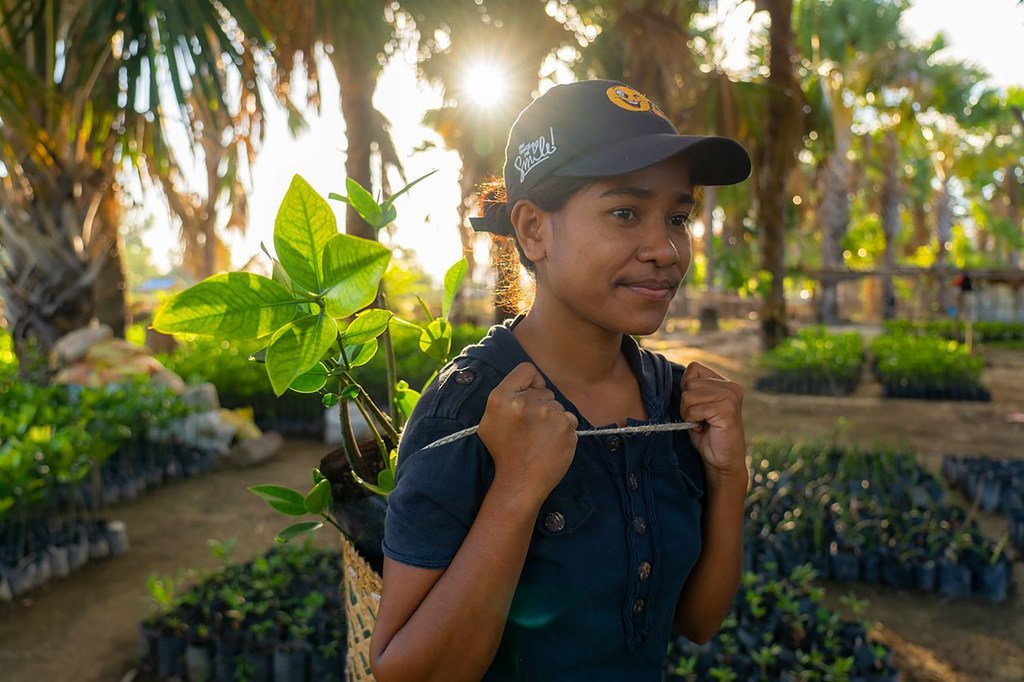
(850, 49)
(775, 161)
(90, 91)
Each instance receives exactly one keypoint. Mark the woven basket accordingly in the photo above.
(361, 588)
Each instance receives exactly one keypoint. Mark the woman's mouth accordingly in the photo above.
(651, 291)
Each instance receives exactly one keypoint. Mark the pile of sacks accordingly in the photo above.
(92, 357)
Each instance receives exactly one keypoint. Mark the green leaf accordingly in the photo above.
(369, 324)
(284, 500)
(388, 215)
(296, 529)
(317, 476)
(399, 322)
(361, 200)
(297, 348)
(391, 199)
(368, 485)
(436, 339)
(406, 398)
(304, 226)
(232, 305)
(318, 500)
(330, 399)
(278, 274)
(353, 268)
(311, 381)
(386, 480)
(350, 392)
(452, 280)
(361, 354)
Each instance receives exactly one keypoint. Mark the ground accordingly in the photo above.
(84, 627)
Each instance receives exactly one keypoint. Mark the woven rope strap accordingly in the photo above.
(645, 428)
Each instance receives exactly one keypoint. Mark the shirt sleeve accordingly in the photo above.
(438, 493)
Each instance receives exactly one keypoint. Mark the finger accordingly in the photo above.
(699, 371)
(539, 394)
(712, 412)
(709, 395)
(523, 376)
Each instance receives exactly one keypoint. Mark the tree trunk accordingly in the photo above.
(47, 282)
(111, 285)
(944, 228)
(1011, 187)
(357, 79)
(777, 157)
(891, 195)
(710, 263)
(834, 219)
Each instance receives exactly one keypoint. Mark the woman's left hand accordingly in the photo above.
(716, 403)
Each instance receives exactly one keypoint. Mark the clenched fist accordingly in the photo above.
(529, 434)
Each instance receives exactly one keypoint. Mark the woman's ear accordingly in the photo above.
(529, 221)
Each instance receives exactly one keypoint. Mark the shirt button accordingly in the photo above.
(644, 570)
(633, 483)
(554, 521)
(638, 608)
(614, 443)
(465, 376)
(639, 525)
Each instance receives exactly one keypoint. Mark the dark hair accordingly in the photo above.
(551, 194)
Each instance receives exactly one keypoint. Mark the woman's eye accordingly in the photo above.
(680, 220)
(624, 213)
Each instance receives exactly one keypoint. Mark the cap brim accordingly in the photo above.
(714, 160)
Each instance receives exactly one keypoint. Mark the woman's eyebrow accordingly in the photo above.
(643, 193)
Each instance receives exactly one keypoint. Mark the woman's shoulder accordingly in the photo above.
(459, 390)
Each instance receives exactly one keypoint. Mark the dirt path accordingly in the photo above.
(83, 627)
(935, 640)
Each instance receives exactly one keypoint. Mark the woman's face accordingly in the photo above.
(617, 251)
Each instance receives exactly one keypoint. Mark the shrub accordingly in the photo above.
(814, 361)
(926, 367)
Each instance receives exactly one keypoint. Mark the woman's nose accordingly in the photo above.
(661, 246)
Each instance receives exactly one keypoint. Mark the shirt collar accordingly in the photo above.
(500, 349)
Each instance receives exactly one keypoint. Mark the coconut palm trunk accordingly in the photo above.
(776, 159)
(111, 284)
(890, 209)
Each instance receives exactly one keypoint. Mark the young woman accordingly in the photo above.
(525, 551)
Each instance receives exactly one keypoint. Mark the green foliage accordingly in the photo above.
(8, 360)
(288, 597)
(813, 356)
(925, 362)
(223, 363)
(51, 436)
(321, 277)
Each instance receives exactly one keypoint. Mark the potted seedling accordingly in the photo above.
(320, 316)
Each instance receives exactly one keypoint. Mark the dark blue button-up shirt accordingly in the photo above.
(612, 545)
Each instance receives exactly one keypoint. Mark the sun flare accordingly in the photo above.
(485, 84)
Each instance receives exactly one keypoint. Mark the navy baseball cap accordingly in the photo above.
(600, 128)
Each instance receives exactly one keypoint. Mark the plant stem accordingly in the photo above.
(389, 362)
(382, 418)
(381, 447)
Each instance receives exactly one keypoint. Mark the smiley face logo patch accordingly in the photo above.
(627, 98)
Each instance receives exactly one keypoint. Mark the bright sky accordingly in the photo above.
(991, 34)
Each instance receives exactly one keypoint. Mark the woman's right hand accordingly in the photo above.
(529, 434)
